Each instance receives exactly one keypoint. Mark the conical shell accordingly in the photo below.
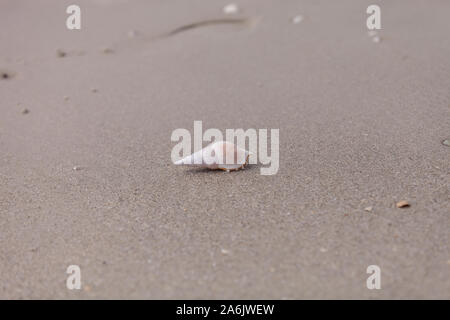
(218, 155)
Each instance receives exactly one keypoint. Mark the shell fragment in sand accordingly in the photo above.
(221, 155)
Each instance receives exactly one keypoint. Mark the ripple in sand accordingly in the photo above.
(230, 8)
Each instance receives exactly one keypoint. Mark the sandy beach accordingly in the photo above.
(86, 177)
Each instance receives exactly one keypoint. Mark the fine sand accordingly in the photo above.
(85, 170)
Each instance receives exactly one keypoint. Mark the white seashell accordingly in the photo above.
(221, 155)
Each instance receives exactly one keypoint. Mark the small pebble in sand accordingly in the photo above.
(376, 39)
(230, 8)
(323, 250)
(225, 251)
(297, 19)
(60, 53)
(107, 50)
(446, 142)
(218, 149)
(94, 90)
(77, 168)
(374, 35)
(402, 204)
(132, 34)
(368, 209)
(25, 111)
(6, 74)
